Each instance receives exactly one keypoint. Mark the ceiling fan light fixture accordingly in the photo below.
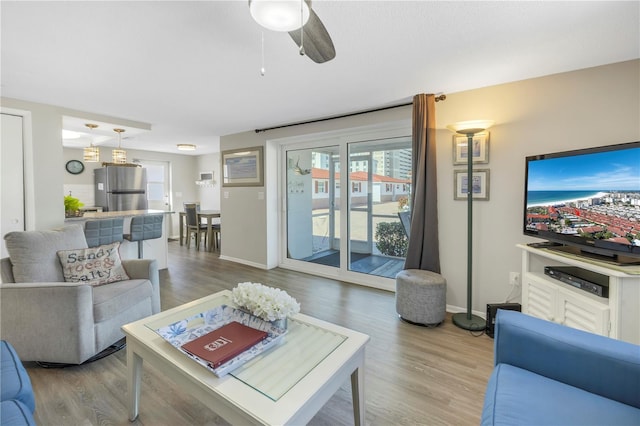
(279, 15)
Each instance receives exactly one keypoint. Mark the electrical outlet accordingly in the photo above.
(514, 278)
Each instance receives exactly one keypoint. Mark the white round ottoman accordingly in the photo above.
(421, 296)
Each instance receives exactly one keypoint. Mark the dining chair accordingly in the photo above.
(191, 203)
(216, 228)
(195, 203)
(194, 226)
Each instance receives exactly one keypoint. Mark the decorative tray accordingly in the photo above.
(181, 332)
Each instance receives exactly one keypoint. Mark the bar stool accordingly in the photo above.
(145, 227)
(103, 231)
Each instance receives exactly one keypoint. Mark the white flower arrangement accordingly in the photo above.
(268, 303)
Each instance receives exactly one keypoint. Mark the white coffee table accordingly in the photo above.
(287, 384)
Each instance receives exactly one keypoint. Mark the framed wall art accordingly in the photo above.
(243, 167)
(480, 185)
(480, 149)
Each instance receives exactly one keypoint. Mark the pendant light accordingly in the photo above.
(91, 153)
(119, 156)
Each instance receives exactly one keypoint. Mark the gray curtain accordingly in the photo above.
(423, 251)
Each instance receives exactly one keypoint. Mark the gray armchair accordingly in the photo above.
(47, 319)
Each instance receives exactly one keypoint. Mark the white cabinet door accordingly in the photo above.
(582, 313)
(547, 300)
(539, 298)
(11, 179)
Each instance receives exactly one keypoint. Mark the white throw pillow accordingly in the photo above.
(94, 266)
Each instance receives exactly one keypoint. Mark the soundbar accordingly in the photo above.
(588, 281)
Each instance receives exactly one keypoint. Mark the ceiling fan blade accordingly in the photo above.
(317, 42)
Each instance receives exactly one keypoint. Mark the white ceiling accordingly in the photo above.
(191, 69)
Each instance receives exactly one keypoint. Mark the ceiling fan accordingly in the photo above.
(312, 38)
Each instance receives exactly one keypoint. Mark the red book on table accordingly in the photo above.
(225, 343)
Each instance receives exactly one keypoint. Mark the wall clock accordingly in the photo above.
(75, 167)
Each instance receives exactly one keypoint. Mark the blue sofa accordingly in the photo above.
(18, 403)
(549, 374)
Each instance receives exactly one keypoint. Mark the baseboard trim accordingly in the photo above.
(244, 262)
(457, 309)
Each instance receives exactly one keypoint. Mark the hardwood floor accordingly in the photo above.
(414, 375)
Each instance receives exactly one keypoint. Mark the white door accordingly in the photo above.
(12, 178)
(158, 184)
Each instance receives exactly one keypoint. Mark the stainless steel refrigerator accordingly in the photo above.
(119, 188)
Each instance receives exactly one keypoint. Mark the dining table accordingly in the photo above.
(209, 215)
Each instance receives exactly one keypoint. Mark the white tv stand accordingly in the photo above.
(617, 316)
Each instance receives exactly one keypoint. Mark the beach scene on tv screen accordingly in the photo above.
(594, 196)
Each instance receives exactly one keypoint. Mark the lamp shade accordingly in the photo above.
(470, 127)
(279, 15)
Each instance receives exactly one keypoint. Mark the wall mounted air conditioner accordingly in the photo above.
(206, 179)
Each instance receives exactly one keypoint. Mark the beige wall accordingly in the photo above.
(586, 108)
(591, 107)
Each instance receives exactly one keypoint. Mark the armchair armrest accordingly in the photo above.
(145, 269)
(142, 269)
(34, 313)
(597, 364)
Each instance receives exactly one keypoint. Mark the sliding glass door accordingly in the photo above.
(380, 184)
(350, 189)
(313, 208)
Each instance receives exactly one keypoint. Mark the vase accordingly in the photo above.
(280, 323)
(73, 213)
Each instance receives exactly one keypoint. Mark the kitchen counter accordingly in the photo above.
(115, 214)
(153, 249)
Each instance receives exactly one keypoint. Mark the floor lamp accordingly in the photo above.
(467, 320)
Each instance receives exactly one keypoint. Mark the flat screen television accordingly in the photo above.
(586, 201)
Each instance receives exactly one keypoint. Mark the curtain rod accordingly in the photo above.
(317, 120)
